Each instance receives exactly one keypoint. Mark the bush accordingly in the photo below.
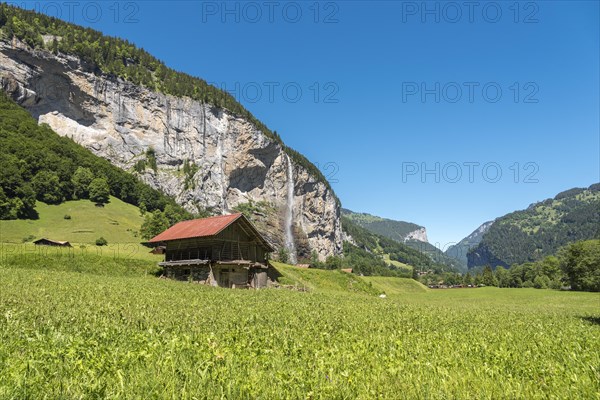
(101, 241)
(541, 282)
(67, 216)
(527, 284)
(28, 238)
(284, 255)
(555, 284)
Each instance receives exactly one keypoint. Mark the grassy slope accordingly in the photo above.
(116, 222)
(67, 334)
(396, 286)
(322, 280)
(397, 264)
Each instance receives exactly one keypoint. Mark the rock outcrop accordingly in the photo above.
(418, 234)
(229, 161)
(460, 250)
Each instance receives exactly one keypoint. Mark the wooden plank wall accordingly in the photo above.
(231, 244)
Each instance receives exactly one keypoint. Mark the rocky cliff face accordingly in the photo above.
(418, 234)
(229, 161)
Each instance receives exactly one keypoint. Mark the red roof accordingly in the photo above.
(196, 228)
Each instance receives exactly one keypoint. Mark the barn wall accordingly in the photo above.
(234, 243)
(184, 273)
(222, 275)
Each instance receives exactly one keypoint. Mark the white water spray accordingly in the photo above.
(289, 213)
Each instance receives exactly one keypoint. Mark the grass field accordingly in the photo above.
(105, 327)
(116, 222)
(397, 264)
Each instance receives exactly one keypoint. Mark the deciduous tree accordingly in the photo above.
(99, 191)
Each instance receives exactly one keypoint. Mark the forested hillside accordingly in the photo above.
(460, 250)
(38, 164)
(374, 247)
(405, 233)
(540, 230)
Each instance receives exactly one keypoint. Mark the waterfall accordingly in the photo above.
(219, 154)
(289, 213)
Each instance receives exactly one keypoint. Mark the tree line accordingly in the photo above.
(576, 265)
(379, 245)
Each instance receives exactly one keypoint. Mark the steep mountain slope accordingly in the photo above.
(540, 230)
(407, 233)
(180, 135)
(399, 231)
(459, 251)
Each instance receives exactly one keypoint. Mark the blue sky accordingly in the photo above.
(377, 92)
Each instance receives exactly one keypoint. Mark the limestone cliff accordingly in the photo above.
(203, 156)
(418, 234)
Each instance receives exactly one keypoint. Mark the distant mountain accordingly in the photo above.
(407, 233)
(459, 251)
(399, 231)
(540, 230)
(373, 249)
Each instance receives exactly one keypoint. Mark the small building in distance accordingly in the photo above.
(48, 242)
(226, 251)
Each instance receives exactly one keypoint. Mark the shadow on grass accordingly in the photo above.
(592, 320)
(158, 272)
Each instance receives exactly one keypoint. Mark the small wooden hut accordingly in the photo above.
(48, 242)
(225, 250)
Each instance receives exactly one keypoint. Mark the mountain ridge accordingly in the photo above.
(400, 231)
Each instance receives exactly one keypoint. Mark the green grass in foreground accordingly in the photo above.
(67, 334)
(116, 222)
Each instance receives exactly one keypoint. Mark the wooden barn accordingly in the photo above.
(225, 250)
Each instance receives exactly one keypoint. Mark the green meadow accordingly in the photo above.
(117, 222)
(83, 325)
